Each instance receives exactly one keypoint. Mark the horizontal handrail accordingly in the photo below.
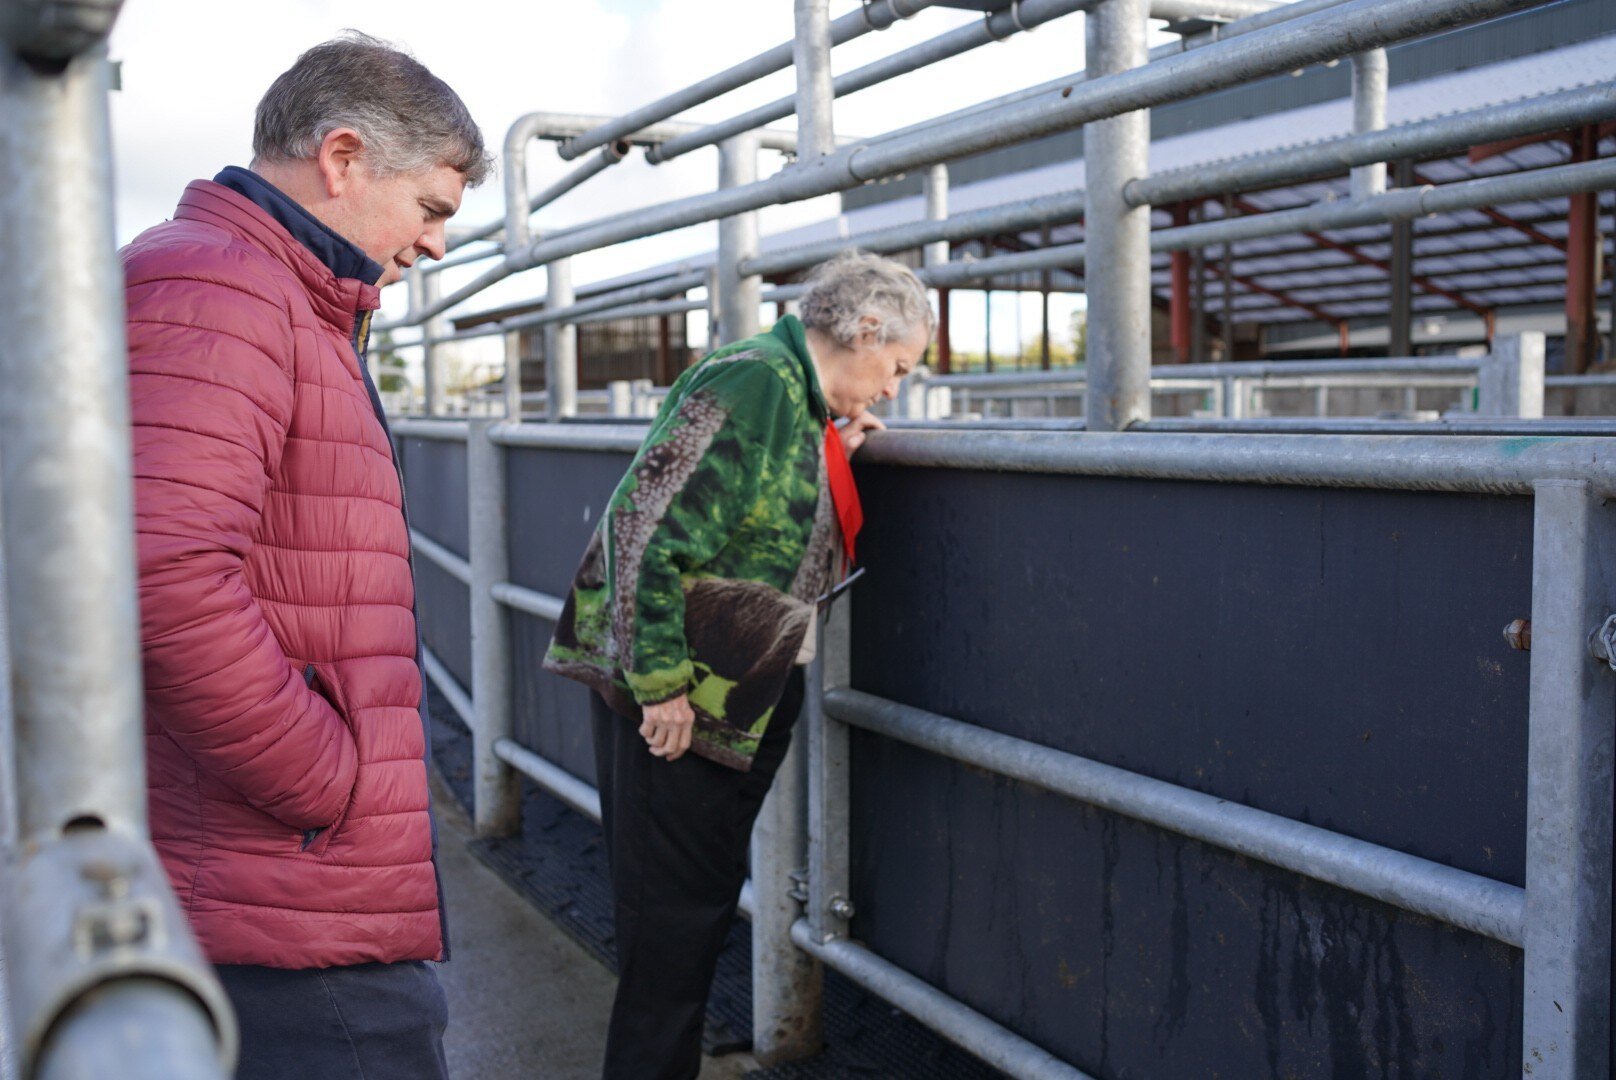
(456, 566)
(1492, 908)
(956, 1022)
(530, 601)
(1237, 369)
(1476, 463)
(450, 688)
(411, 427)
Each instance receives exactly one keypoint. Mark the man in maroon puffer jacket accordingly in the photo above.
(285, 736)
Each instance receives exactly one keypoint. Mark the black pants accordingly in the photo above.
(676, 836)
(364, 1022)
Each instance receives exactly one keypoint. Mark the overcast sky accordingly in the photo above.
(193, 70)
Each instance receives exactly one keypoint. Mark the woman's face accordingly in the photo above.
(870, 371)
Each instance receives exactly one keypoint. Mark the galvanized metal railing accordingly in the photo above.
(1560, 919)
(103, 976)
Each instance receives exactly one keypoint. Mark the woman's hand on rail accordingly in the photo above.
(667, 727)
(856, 430)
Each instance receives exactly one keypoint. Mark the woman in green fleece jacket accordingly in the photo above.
(693, 611)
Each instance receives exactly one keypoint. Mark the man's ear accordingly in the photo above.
(340, 160)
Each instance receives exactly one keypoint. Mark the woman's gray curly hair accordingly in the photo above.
(856, 285)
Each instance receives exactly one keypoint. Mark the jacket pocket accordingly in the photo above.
(317, 840)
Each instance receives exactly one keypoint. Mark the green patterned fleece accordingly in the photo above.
(702, 575)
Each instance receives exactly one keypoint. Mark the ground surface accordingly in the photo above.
(525, 999)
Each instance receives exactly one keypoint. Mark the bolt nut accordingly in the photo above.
(110, 878)
(1519, 635)
(841, 907)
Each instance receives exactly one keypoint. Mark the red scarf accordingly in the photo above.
(843, 491)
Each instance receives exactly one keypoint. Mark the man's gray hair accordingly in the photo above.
(408, 118)
(855, 285)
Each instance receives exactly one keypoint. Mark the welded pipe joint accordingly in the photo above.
(89, 909)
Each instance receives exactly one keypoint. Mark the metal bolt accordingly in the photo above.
(111, 878)
(1602, 642)
(841, 907)
(1519, 635)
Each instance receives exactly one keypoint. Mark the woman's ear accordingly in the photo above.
(869, 331)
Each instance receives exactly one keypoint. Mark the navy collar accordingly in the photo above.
(338, 253)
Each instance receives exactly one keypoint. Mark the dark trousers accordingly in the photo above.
(365, 1022)
(676, 837)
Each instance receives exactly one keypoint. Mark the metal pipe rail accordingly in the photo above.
(441, 556)
(449, 687)
(876, 15)
(1242, 369)
(1398, 462)
(956, 1022)
(997, 26)
(1481, 905)
(1437, 135)
(1057, 208)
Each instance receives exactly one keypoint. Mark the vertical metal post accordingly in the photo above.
(86, 903)
(495, 802)
(560, 346)
(936, 190)
(1566, 1008)
(425, 290)
(810, 52)
(513, 375)
(8, 831)
(432, 331)
(945, 338)
(1510, 382)
(829, 764)
(1118, 235)
(739, 297)
(786, 983)
(1369, 82)
(1401, 324)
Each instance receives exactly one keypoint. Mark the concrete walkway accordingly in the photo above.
(525, 1000)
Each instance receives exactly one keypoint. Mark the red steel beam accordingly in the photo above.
(1537, 235)
(1423, 283)
(1179, 316)
(1582, 267)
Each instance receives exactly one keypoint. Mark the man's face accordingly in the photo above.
(397, 219)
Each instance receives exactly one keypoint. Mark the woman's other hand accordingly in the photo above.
(667, 727)
(856, 430)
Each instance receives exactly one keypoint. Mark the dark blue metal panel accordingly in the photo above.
(555, 499)
(435, 483)
(1330, 655)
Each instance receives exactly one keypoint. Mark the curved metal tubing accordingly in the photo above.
(1353, 27)
(996, 27)
(876, 15)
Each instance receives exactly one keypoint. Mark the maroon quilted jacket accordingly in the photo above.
(284, 739)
